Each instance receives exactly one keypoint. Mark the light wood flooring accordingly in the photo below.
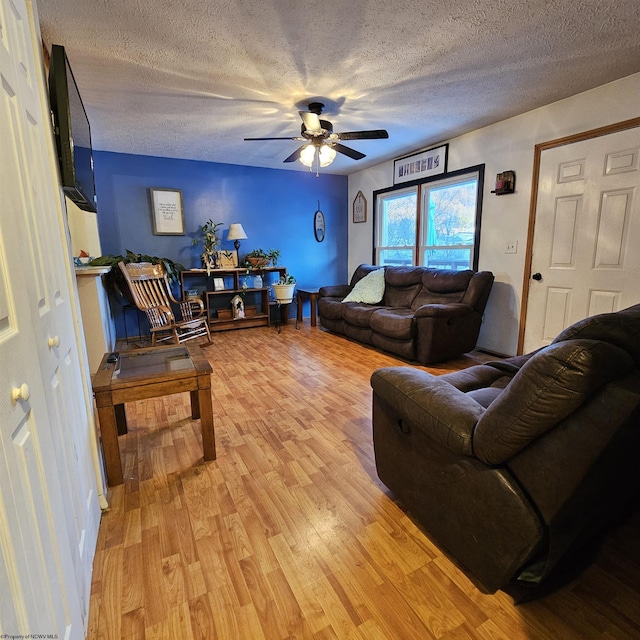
(290, 534)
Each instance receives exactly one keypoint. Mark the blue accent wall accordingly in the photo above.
(275, 207)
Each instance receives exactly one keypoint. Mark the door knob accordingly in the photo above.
(20, 393)
(537, 276)
(54, 342)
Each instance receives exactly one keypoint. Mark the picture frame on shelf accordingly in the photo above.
(167, 212)
(431, 162)
(218, 284)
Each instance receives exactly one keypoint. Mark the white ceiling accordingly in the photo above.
(192, 78)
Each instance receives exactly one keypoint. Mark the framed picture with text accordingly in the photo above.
(167, 212)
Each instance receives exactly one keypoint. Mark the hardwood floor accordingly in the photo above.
(290, 534)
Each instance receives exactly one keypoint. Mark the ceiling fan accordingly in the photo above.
(321, 142)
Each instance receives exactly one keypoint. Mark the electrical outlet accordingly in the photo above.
(512, 247)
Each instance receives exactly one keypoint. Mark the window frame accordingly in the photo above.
(418, 185)
(377, 232)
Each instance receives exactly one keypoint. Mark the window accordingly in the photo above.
(434, 224)
(449, 221)
(398, 228)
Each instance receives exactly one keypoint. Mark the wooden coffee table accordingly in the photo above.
(150, 373)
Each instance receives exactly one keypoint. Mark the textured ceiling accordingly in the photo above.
(191, 79)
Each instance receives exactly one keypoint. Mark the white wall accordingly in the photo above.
(83, 229)
(506, 145)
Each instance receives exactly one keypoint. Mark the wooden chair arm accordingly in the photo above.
(187, 309)
(159, 316)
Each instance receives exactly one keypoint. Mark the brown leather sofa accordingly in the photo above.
(425, 314)
(514, 467)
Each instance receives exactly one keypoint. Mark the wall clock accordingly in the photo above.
(318, 224)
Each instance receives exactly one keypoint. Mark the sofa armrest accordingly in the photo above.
(444, 413)
(450, 310)
(335, 291)
(479, 376)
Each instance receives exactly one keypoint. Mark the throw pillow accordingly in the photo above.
(369, 290)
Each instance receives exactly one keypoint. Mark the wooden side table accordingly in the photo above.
(150, 373)
(312, 296)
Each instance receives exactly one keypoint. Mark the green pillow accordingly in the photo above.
(369, 290)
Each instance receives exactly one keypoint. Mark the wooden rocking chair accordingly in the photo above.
(151, 293)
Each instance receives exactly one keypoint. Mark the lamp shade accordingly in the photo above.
(236, 232)
(307, 155)
(327, 155)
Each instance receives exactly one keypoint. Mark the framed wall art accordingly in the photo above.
(167, 212)
(360, 208)
(423, 164)
(318, 224)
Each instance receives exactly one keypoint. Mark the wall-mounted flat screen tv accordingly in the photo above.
(72, 132)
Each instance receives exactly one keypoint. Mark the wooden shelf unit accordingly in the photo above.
(233, 280)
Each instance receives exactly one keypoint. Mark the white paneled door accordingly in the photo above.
(586, 245)
(49, 513)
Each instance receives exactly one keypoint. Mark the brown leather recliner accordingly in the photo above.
(514, 466)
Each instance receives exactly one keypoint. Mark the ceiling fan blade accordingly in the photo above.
(273, 138)
(311, 122)
(376, 134)
(295, 155)
(352, 153)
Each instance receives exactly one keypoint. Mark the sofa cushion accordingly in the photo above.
(550, 386)
(369, 290)
(395, 323)
(358, 314)
(485, 396)
(400, 296)
(402, 285)
(361, 272)
(441, 286)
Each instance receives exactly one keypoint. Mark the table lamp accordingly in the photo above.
(236, 232)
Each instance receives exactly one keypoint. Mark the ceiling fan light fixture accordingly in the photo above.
(327, 155)
(307, 155)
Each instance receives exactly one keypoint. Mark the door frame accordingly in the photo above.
(537, 157)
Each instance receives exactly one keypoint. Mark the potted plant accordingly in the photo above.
(284, 288)
(210, 244)
(115, 280)
(259, 258)
(274, 254)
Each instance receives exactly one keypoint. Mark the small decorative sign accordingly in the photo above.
(166, 209)
(227, 259)
(360, 208)
(424, 164)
